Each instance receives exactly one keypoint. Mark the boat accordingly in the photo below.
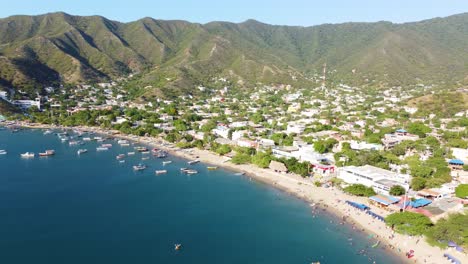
(47, 132)
(73, 143)
(155, 151)
(63, 139)
(106, 145)
(122, 161)
(139, 167)
(193, 162)
(141, 149)
(81, 151)
(125, 145)
(160, 155)
(101, 149)
(376, 244)
(212, 167)
(86, 139)
(122, 141)
(47, 153)
(190, 171)
(177, 246)
(144, 152)
(183, 169)
(145, 158)
(3, 152)
(240, 173)
(166, 162)
(130, 153)
(120, 156)
(160, 171)
(28, 155)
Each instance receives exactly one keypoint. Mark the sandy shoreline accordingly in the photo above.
(329, 198)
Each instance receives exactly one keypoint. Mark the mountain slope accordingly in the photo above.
(57, 47)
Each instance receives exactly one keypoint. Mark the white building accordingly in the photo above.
(364, 146)
(222, 131)
(4, 95)
(295, 128)
(26, 104)
(379, 179)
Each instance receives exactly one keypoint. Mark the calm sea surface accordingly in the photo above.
(93, 209)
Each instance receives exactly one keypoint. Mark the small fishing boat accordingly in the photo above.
(141, 149)
(155, 151)
(125, 145)
(240, 173)
(212, 167)
(160, 155)
(376, 244)
(122, 161)
(177, 246)
(144, 158)
(120, 156)
(47, 132)
(139, 167)
(145, 152)
(131, 153)
(47, 153)
(3, 152)
(190, 171)
(28, 155)
(106, 145)
(122, 141)
(183, 169)
(87, 139)
(73, 143)
(167, 162)
(81, 151)
(63, 139)
(160, 171)
(101, 149)
(193, 162)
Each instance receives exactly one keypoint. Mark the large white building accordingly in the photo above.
(295, 128)
(379, 179)
(26, 104)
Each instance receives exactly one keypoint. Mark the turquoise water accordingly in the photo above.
(93, 209)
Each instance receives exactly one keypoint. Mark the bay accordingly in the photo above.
(90, 208)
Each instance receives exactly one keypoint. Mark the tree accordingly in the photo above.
(454, 228)
(409, 223)
(262, 159)
(418, 183)
(223, 149)
(359, 190)
(462, 191)
(419, 128)
(397, 190)
(241, 158)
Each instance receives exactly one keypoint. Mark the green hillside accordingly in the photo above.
(57, 47)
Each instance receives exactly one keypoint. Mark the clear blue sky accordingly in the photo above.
(280, 12)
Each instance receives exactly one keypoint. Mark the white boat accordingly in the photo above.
(130, 153)
(160, 171)
(73, 143)
(101, 149)
(87, 139)
(106, 145)
(47, 132)
(167, 162)
(47, 153)
(122, 161)
(122, 141)
(28, 155)
(3, 152)
(145, 158)
(120, 156)
(139, 167)
(125, 145)
(63, 139)
(145, 152)
(190, 171)
(81, 151)
(193, 162)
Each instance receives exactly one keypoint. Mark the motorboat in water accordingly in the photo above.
(101, 149)
(81, 151)
(167, 162)
(177, 246)
(28, 155)
(188, 171)
(47, 153)
(3, 152)
(212, 168)
(160, 171)
(193, 162)
(139, 167)
(120, 156)
(130, 153)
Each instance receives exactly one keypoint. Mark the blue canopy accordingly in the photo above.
(420, 202)
(452, 258)
(456, 162)
(357, 205)
(401, 131)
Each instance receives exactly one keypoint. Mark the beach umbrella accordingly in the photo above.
(452, 244)
(458, 248)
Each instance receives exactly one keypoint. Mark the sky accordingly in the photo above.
(278, 12)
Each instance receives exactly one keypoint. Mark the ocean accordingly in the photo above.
(90, 208)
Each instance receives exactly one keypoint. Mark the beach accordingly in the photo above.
(320, 198)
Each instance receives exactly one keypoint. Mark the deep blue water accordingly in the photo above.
(93, 209)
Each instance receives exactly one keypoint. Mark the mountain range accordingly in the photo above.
(48, 49)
